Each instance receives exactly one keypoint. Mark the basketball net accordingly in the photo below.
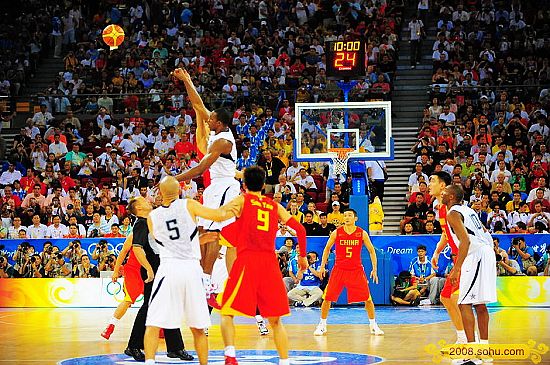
(340, 157)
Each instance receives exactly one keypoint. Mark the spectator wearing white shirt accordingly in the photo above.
(166, 120)
(540, 127)
(413, 178)
(58, 148)
(138, 137)
(127, 146)
(10, 175)
(42, 118)
(102, 116)
(305, 180)
(163, 146)
(188, 189)
(126, 127)
(448, 116)
(183, 119)
(37, 229)
(108, 131)
(541, 185)
(56, 230)
(283, 183)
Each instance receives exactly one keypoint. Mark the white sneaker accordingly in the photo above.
(466, 362)
(425, 302)
(375, 330)
(487, 360)
(321, 330)
(262, 328)
(205, 331)
(461, 340)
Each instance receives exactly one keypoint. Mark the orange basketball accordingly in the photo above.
(113, 36)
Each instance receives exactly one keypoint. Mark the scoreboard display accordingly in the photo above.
(345, 59)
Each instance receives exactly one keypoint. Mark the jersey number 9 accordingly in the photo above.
(263, 220)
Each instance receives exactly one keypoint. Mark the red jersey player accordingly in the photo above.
(449, 294)
(255, 279)
(348, 271)
(133, 284)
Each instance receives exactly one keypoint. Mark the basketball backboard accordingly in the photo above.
(322, 126)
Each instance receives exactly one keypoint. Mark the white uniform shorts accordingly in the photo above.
(218, 193)
(478, 277)
(178, 295)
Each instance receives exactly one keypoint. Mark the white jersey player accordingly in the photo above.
(177, 292)
(475, 264)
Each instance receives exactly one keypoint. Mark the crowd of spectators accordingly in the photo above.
(115, 122)
(487, 122)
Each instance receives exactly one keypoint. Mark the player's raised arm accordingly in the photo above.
(229, 210)
(456, 222)
(196, 101)
(286, 218)
(372, 252)
(218, 147)
(121, 256)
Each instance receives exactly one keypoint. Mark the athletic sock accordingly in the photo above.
(150, 362)
(230, 351)
(372, 322)
(114, 321)
(284, 362)
(461, 335)
(259, 318)
(323, 322)
(484, 342)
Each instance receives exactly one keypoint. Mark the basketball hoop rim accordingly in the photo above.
(342, 152)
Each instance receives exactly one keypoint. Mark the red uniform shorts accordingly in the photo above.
(133, 283)
(255, 281)
(449, 289)
(355, 281)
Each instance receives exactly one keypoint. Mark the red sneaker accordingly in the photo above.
(229, 360)
(213, 302)
(106, 334)
(161, 333)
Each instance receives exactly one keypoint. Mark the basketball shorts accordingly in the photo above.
(354, 280)
(478, 277)
(255, 281)
(178, 295)
(133, 283)
(449, 289)
(218, 193)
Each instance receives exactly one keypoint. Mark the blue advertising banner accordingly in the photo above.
(403, 248)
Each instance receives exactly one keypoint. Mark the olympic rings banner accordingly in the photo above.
(61, 293)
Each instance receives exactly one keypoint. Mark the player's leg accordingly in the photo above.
(482, 321)
(281, 339)
(228, 336)
(449, 299)
(322, 326)
(151, 342)
(468, 320)
(117, 315)
(201, 344)
(374, 329)
(230, 257)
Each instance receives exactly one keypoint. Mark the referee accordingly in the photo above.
(147, 254)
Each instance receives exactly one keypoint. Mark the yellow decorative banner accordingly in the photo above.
(530, 351)
(61, 293)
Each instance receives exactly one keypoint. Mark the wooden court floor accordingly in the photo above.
(47, 336)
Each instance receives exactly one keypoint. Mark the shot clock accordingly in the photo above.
(345, 59)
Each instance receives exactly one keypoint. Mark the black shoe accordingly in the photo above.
(180, 354)
(137, 354)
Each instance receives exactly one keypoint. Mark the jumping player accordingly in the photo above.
(475, 268)
(449, 294)
(132, 286)
(220, 159)
(177, 289)
(348, 271)
(255, 279)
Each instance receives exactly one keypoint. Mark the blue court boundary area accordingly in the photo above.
(248, 357)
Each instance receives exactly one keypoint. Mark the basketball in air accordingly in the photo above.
(113, 36)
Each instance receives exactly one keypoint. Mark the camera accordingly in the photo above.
(498, 257)
(33, 259)
(2, 259)
(59, 256)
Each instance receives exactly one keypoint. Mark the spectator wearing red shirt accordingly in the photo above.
(446, 137)
(381, 85)
(27, 182)
(184, 147)
(66, 181)
(9, 198)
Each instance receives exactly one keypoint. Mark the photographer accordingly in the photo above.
(85, 269)
(47, 249)
(32, 268)
(505, 266)
(23, 252)
(74, 252)
(524, 255)
(57, 267)
(101, 252)
(108, 264)
(307, 292)
(6, 270)
(495, 216)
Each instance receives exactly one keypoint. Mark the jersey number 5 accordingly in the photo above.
(263, 220)
(349, 252)
(171, 225)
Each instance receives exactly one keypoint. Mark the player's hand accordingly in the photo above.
(181, 74)
(374, 276)
(454, 276)
(150, 276)
(115, 276)
(434, 261)
(323, 271)
(302, 263)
